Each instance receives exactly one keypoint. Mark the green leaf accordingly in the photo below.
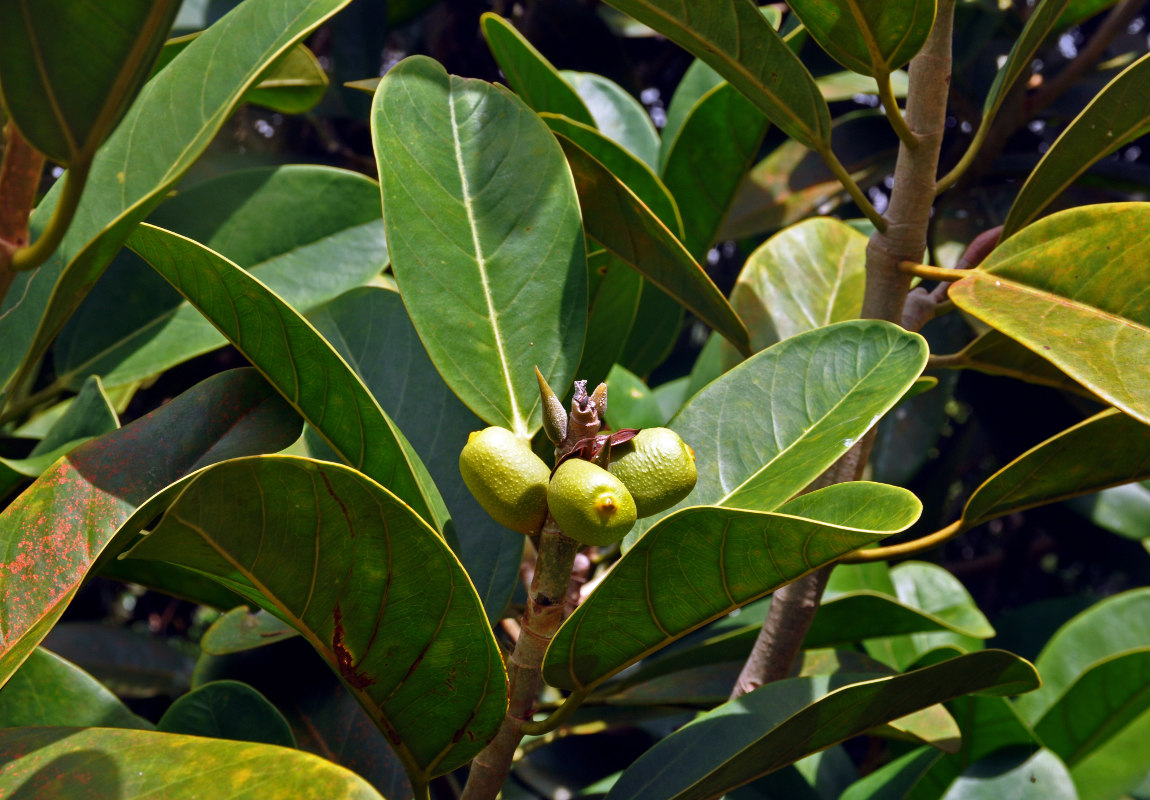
(892, 781)
(1117, 767)
(1104, 450)
(159, 139)
(616, 291)
(293, 84)
(619, 221)
(48, 690)
(617, 114)
(697, 81)
(1124, 510)
(804, 277)
(308, 232)
(1069, 288)
(1114, 626)
(529, 73)
(384, 601)
(871, 37)
(373, 333)
(840, 86)
(66, 105)
(286, 348)
(761, 434)
(52, 534)
(240, 630)
(691, 568)
(1082, 10)
(171, 580)
(1016, 774)
(1102, 702)
(997, 354)
(485, 239)
(658, 323)
(1117, 115)
(227, 710)
(786, 720)
(42, 762)
(707, 160)
(630, 403)
(734, 38)
(1039, 25)
(635, 174)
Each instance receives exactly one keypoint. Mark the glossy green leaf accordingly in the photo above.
(788, 719)
(691, 568)
(159, 139)
(241, 629)
(1124, 510)
(619, 221)
(529, 73)
(49, 690)
(891, 781)
(1039, 25)
(293, 356)
(1105, 699)
(485, 239)
(1117, 115)
(383, 601)
(171, 580)
(1070, 288)
(793, 182)
(630, 403)
(761, 434)
(1106, 449)
(1116, 625)
(617, 114)
(371, 330)
(227, 710)
(1117, 767)
(1082, 10)
(697, 81)
(706, 161)
(52, 534)
(616, 291)
(45, 762)
(634, 173)
(64, 105)
(735, 39)
(1019, 775)
(804, 277)
(308, 232)
(292, 84)
(997, 354)
(871, 37)
(658, 323)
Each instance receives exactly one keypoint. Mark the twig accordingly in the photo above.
(914, 547)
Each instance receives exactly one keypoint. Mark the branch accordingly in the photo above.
(19, 180)
(911, 548)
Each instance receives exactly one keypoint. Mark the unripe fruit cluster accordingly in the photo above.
(647, 474)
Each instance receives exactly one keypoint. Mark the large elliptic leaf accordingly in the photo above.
(308, 232)
(767, 428)
(72, 69)
(52, 534)
(707, 160)
(616, 292)
(734, 38)
(1117, 115)
(159, 138)
(529, 73)
(786, 720)
(617, 114)
(305, 369)
(1107, 449)
(383, 600)
(485, 238)
(804, 277)
(658, 322)
(240, 629)
(371, 330)
(47, 762)
(1117, 625)
(693, 567)
(227, 710)
(48, 690)
(1017, 774)
(1041, 22)
(619, 221)
(871, 37)
(1072, 288)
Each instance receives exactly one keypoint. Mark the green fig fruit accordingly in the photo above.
(657, 467)
(590, 504)
(507, 479)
